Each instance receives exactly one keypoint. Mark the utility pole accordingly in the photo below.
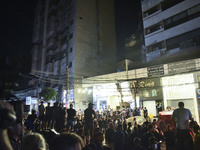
(134, 89)
(67, 71)
(119, 89)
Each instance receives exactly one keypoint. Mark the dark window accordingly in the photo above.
(71, 35)
(64, 40)
(153, 28)
(56, 56)
(71, 22)
(62, 54)
(182, 17)
(52, 13)
(185, 40)
(70, 64)
(70, 1)
(168, 21)
(49, 59)
(193, 10)
(169, 3)
(151, 11)
(179, 16)
(71, 49)
(154, 47)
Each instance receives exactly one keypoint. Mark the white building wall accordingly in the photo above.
(172, 32)
(149, 4)
(157, 17)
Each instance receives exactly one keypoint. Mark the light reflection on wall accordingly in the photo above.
(178, 87)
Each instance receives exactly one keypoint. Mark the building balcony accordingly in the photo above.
(155, 54)
(51, 27)
(57, 56)
(49, 59)
(52, 43)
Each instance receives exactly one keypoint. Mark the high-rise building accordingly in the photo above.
(74, 36)
(171, 29)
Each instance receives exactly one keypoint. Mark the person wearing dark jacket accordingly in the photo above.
(89, 115)
(71, 113)
(119, 136)
(109, 135)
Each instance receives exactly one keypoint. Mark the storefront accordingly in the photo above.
(179, 88)
(151, 97)
(109, 96)
(106, 96)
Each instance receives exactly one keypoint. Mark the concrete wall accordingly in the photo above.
(95, 37)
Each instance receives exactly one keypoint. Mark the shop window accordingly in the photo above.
(146, 93)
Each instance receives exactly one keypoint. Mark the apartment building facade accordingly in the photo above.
(171, 29)
(73, 39)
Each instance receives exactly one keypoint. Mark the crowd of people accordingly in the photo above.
(58, 128)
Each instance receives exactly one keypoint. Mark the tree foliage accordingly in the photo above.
(48, 94)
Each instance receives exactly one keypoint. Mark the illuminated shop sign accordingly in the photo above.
(28, 100)
(147, 83)
(150, 88)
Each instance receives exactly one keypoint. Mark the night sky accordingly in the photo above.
(127, 12)
(16, 31)
(17, 25)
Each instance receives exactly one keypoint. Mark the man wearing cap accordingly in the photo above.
(89, 115)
